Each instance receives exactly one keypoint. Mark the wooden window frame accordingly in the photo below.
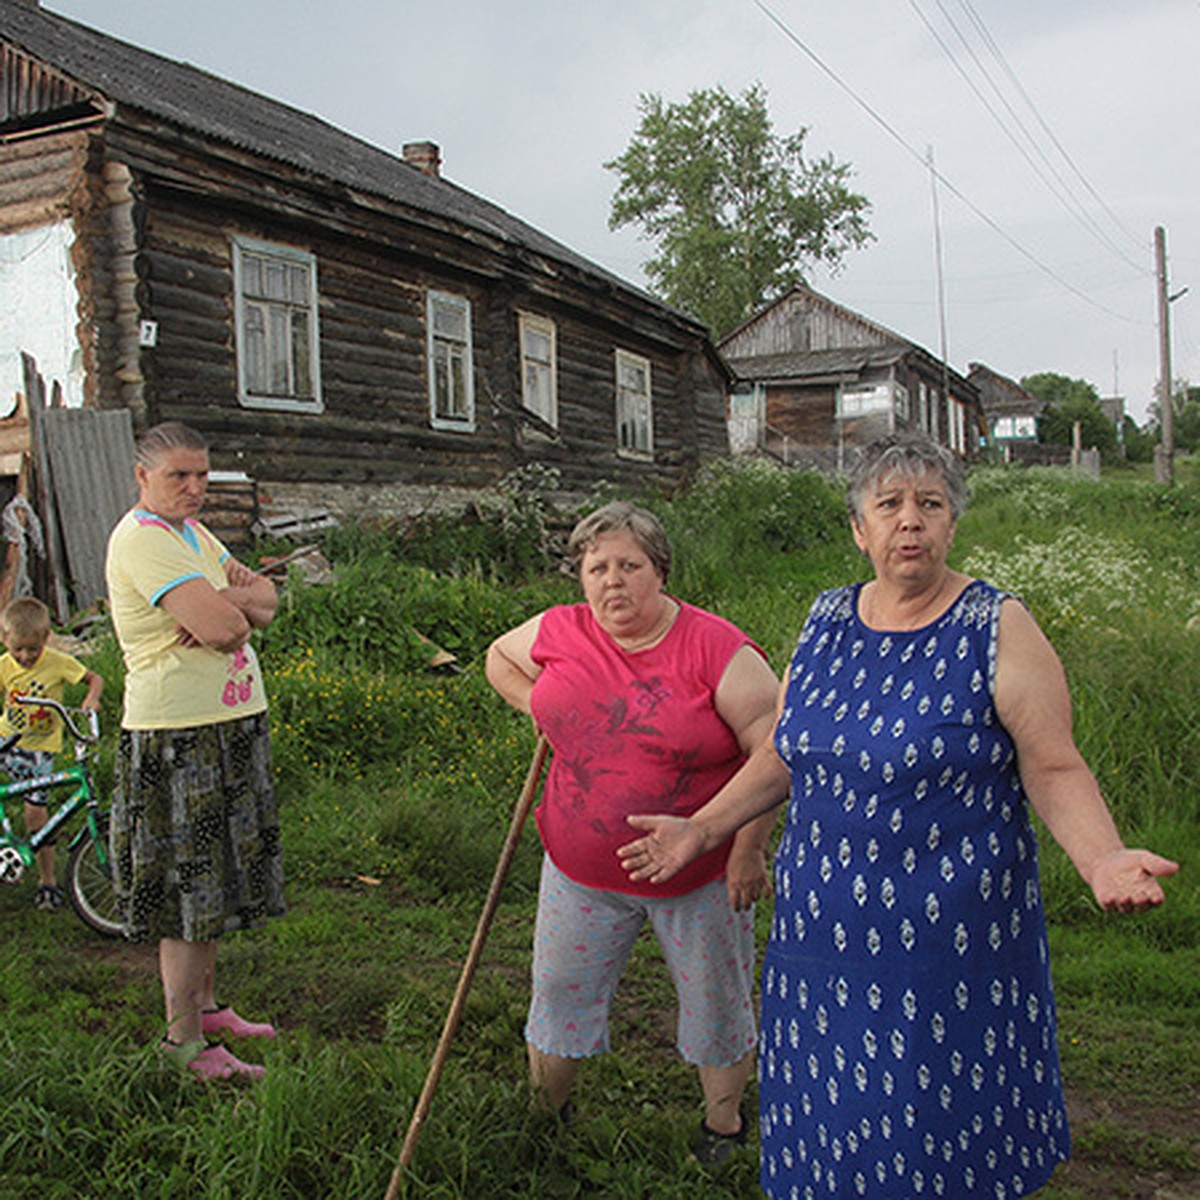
(1012, 428)
(532, 323)
(441, 348)
(628, 405)
(865, 399)
(301, 391)
(956, 419)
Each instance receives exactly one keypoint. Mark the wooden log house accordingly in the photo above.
(1011, 412)
(814, 379)
(347, 327)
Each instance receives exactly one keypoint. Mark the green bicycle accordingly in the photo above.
(88, 881)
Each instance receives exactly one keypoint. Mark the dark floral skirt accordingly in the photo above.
(194, 831)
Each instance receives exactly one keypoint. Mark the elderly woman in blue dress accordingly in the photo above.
(908, 1044)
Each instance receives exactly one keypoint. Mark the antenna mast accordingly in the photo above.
(941, 287)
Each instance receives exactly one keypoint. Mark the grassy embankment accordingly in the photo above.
(397, 786)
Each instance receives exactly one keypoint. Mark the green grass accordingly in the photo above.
(397, 786)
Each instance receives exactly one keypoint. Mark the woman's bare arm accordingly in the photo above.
(1034, 705)
(745, 700)
(509, 665)
(673, 842)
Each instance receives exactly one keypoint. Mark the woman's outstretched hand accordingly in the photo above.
(669, 845)
(1127, 880)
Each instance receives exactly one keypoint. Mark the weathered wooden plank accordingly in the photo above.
(192, 274)
(45, 498)
(372, 327)
(208, 349)
(289, 425)
(188, 302)
(353, 469)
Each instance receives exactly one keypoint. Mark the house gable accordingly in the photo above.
(803, 321)
(35, 95)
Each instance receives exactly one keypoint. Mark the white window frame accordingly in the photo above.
(445, 349)
(543, 402)
(863, 399)
(277, 316)
(1014, 428)
(634, 408)
(956, 418)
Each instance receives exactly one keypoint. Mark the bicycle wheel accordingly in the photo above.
(90, 889)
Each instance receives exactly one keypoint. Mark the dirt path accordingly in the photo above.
(1136, 1153)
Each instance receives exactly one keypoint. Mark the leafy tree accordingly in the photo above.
(1068, 401)
(736, 211)
(1139, 441)
(1185, 414)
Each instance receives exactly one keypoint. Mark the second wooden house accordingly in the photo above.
(814, 379)
(1011, 412)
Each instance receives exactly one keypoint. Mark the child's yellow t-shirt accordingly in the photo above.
(39, 727)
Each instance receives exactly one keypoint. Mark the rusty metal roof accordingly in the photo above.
(812, 365)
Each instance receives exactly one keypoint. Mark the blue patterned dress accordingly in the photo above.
(908, 1044)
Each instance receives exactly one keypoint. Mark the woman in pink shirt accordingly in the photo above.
(649, 704)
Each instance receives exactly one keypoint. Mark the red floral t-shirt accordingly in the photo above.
(632, 732)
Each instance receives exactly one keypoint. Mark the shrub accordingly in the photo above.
(506, 535)
(759, 540)
(380, 614)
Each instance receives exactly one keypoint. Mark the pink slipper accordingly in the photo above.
(215, 1062)
(225, 1020)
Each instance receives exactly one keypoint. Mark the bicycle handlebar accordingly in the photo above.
(93, 718)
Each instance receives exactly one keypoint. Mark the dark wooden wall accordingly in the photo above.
(806, 416)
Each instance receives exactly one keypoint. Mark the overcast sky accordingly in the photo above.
(1047, 202)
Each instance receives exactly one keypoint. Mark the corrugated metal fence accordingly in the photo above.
(91, 472)
(83, 485)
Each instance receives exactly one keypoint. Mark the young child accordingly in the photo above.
(31, 668)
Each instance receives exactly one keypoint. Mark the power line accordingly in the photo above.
(1060, 189)
(878, 118)
(996, 52)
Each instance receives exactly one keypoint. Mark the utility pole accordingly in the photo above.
(941, 284)
(1164, 453)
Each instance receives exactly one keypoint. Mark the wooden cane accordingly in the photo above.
(520, 812)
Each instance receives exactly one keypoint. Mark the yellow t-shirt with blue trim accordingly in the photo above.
(40, 728)
(169, 685)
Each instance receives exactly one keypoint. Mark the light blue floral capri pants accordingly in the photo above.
(583, 939)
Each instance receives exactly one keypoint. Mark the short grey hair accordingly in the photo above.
(909, 455)
(623, 517)
(162, 439)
